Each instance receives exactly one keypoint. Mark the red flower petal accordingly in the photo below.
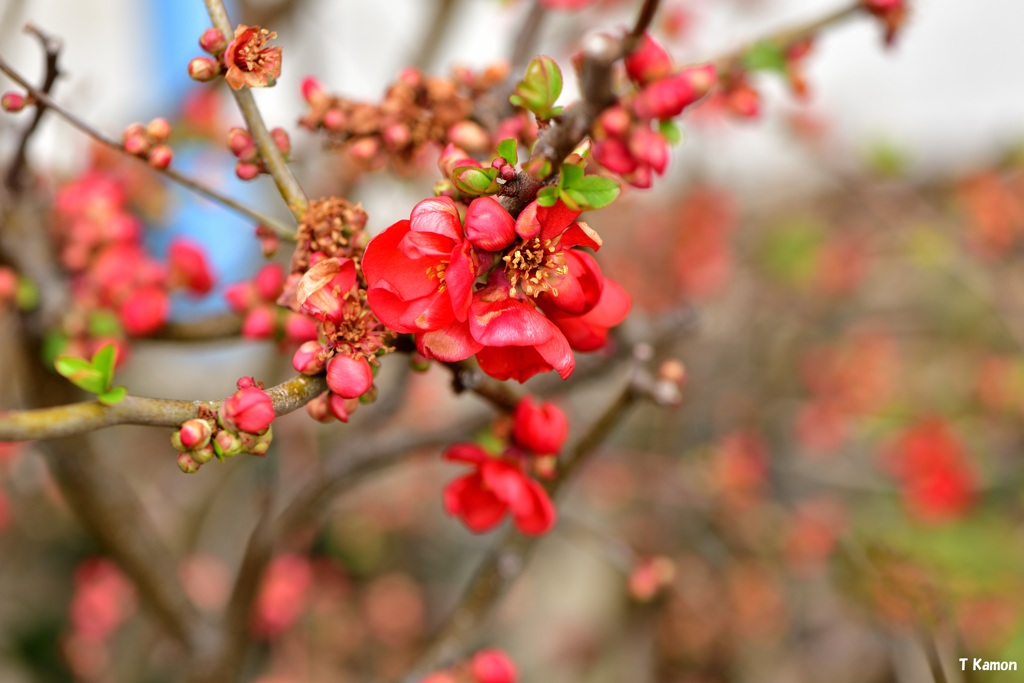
(488, 225)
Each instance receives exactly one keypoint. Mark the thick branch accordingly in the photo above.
(169, 172)
(287, 185)
(79, 418)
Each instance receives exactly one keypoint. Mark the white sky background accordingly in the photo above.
(951, 93)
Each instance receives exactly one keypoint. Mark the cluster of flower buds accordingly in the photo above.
(256, 301)
(250, 164)
(500, 484)
(245, 61)
(149, 142)
(242, 425)
(14, 102)
(486, 666)
(630, 137)
(117, 288)
(417, 111)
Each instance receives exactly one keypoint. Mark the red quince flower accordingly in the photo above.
(497, 486)
(420, 272)
(250, 63)
(589, 331)
(539, 427)
(144, 311)
(349, 377)
(649, 62)
(931, 464)
(248, 410)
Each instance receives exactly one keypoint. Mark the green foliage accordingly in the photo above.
(540, 88)
(476, 181)
(509, 151)
(95, 376)
(765, 57)
(578, 191)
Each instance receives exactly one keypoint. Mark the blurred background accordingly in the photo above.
(838, 498)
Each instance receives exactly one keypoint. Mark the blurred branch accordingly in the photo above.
(526, 38)
(15, 180)
(444, 11)
(180, 178)
(224, 326)
(79, 418)
(287, 185)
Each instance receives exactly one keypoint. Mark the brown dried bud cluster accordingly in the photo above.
(416, 110)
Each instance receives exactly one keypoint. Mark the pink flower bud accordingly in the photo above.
(187, 464)
(246, 382)
(396, 135)
(246, 171)
(260, 323)
(300, 328)
(489, 226)
(189, 266)
(318, 408)
(349, 377)
(241, 296)
(161, 157)
(203, 69)
(650, 148)
(213, 41)
(159, 129)
(176, 441)
(615, 122)
(668, 97)
(262, 444)
(137, 143)
(248, 410)
(270, 281)
(614, 154)
(195, 433)
(453, 157)
(144, 311)
(470, 136)
(340, 406)
(281, 140)
(239, 141)
(364, 149)
(312, 91)
(226, 444)
(309, 359)
(12, 101)
(203, 455)
(335, 120)
(649, 62)
(493, 666)
(540, 428)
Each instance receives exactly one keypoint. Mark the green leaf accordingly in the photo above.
(540, 88)
(593, 191)
(570, 175)
(54, 344)
(104, 324)
(476, 181)
(26, 295)
(114, 396)
(670, 131)
(103, 363)
(70, 365)
(509, 151)
(81, 373)
(765, 57)
(548, 196)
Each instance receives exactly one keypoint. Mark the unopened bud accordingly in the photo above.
(364, 149)
(308, 358)
(318, 409)
(396, 135)
(203, 455)
(176, 443)
(136, 142)
(203, 69)
(195, 433)
(649, 62)
(615, 122)
(263, 442)
(419, 363)
(312, 91)
(241, 143)
(672, 370)
(335, 120)
(161, 156)
(12, 101)
(187, 464)
(470, 136)
(281, 140)
(159, 129)
(213, 41)
(246, 170)
(226, 444)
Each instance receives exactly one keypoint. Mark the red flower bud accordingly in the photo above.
(469, 135)
(364, 149)
(246, 382)
(195, 433)
(308, 358)
(668, 97)
(349, 377)
(12, 101)
(248, 410)
(203, 455)
(270, 281)
(213, 41)
(144, 311)
(241, 143)
(136, 142)
(246, 171)
(335, 120)
(241, 296)
(203, 69)
(161, 157)
(540, 428)
(493, 666)
(159, 129)
(281, 140)
(649, 62)
(226, 444)
(189, 266)
(615, 122)
(187, 464)
(312, 91)
(300, 328)
(260, 323)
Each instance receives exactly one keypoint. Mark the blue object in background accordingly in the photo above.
(228, 239)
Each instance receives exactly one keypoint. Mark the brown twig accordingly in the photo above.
(80, 418)
(15, 179)
(432, 39)
(173, 174)
(526, 36)
(289, 188)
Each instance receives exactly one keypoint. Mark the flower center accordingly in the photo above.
(358, 332)
(436, 271)
(535, 264)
